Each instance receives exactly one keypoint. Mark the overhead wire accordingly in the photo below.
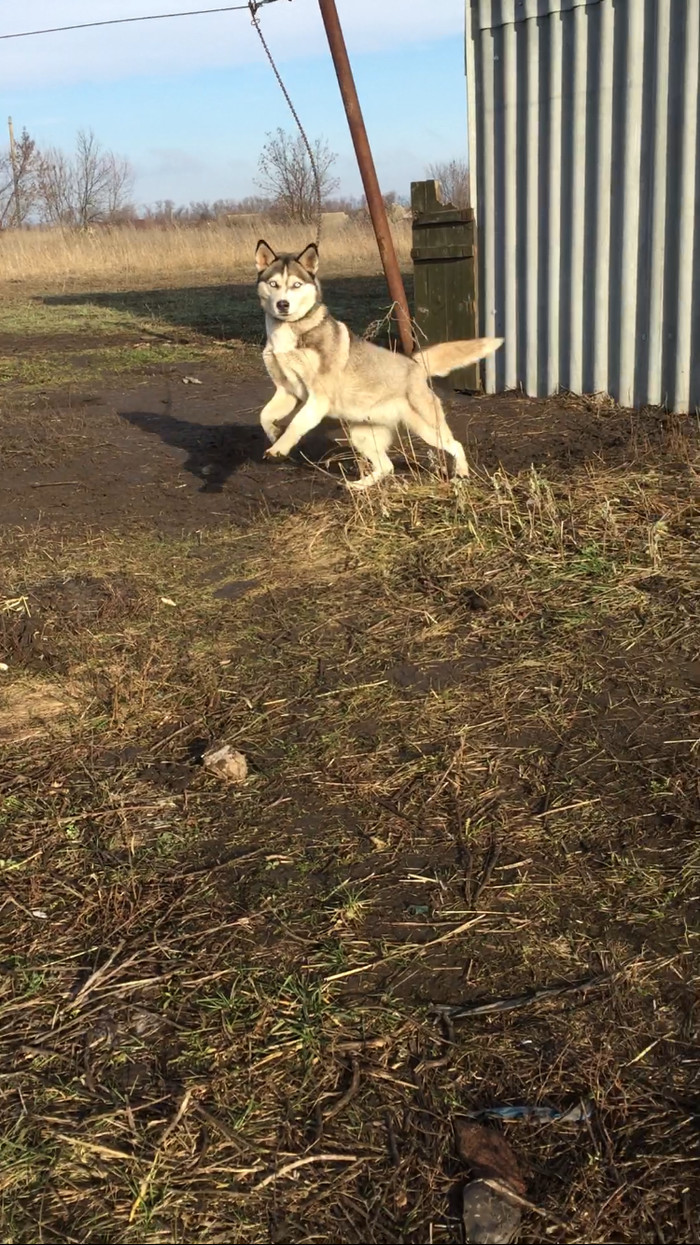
(252, 6)
(304, 138)
(144, 17)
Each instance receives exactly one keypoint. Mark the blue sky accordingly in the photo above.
(189, 101)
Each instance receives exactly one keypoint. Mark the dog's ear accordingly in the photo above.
(309, 258)
(264, 255)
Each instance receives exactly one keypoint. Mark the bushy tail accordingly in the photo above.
(449, 356)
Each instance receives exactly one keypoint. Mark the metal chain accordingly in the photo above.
(254, 5)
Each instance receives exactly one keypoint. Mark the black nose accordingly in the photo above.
(282, 305)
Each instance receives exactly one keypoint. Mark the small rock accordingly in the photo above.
(487, 1217)
(226, 763)
(191, 380)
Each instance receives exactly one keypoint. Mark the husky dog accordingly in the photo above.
(320, 368)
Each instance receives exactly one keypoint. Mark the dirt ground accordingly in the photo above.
(175, 454)
(471, 722)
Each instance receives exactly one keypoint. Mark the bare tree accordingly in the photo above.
(100, 181)
(161, 212)
(200, 212)
(18, 185)
(285, 174)
(253, 203)
(119, 185)
(90, 187)
(55, 187)
(453, 176)
(394, 205)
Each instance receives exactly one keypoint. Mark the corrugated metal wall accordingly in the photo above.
(584, 136)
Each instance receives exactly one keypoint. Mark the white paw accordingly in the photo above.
(366, 482)
(274, 452)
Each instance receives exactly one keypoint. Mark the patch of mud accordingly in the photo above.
(172, 456)
(64, 343)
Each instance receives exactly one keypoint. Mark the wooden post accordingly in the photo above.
(444, 274)
(15, 173)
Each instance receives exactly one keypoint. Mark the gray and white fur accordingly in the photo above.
(320, 368)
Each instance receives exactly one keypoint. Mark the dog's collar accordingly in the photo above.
(318, 313)
(312, 310)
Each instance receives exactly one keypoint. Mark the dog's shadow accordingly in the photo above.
(215, 452)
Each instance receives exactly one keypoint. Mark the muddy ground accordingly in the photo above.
(176, 454)
(471, 722)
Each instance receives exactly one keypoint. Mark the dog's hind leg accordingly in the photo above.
(280, 405)
(427, 420)
(372, 442)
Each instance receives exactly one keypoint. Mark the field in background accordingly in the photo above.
(471, 720)
(124, 254)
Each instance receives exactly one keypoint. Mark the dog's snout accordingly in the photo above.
(282, 305)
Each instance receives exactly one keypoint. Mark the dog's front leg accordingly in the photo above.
(309, 416)
(280, 405)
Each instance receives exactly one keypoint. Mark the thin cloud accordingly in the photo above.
(184, 45)
(162, 161)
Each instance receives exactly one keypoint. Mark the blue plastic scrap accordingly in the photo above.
(525, 1111)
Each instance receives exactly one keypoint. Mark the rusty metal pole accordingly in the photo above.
(375, 203)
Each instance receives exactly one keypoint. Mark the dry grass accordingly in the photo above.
(474, 745)
(28, 709)
(471, 717)
(58, 258)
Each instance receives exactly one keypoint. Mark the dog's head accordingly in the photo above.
(287, 284)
